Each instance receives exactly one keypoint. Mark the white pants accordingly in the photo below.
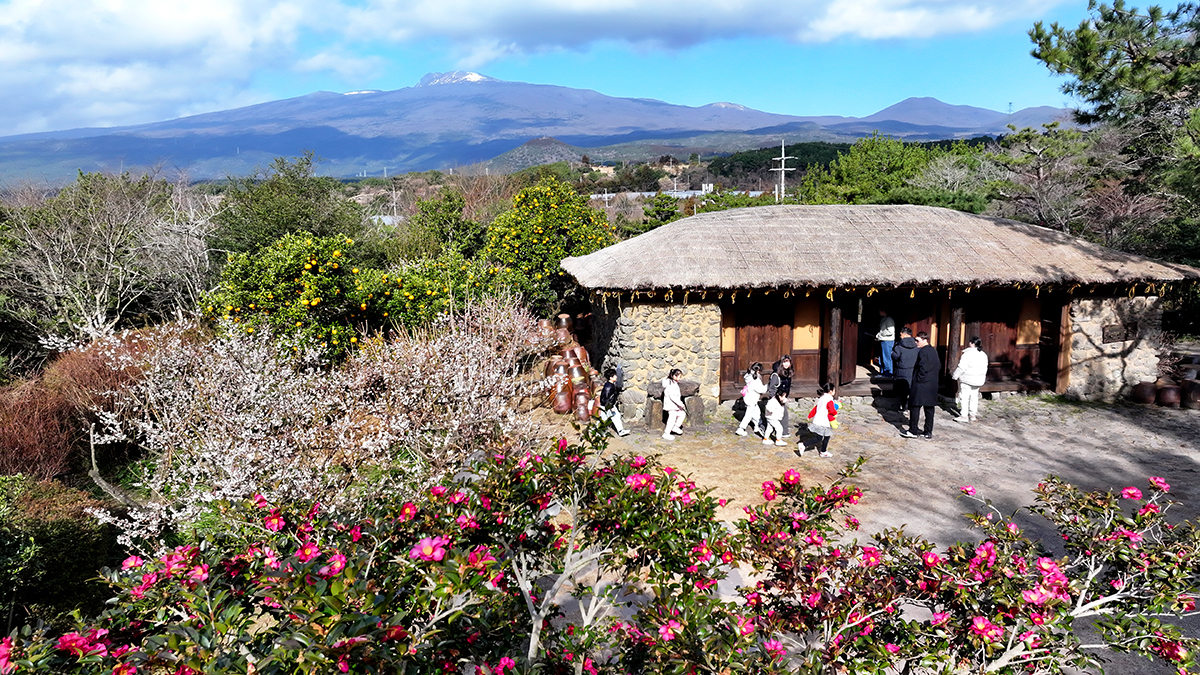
(753, 412)
(674, 422)
(968, 401)
(775, 426)
(614, 416)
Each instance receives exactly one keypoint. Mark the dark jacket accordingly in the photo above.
(612, 390)
(904, 357)
(785, 378)
(925, 378)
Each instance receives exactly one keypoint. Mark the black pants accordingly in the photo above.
(914, 415)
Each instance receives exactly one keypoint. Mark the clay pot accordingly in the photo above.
(1191, 394)
(564, 321)
(562, 402)
(579, 353)
(555, 366)
(578, 375)
(545, 326)
(562, 336)
(1144, 392)
(1169, 396)
(584, 386)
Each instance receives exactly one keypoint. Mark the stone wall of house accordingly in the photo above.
(1114, 345)
(648, 339)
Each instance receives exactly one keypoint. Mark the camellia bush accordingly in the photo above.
(547, 222)
(576, 560)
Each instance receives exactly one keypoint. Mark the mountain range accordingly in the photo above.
(461, 118)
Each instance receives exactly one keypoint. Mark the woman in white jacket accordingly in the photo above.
(673, 405)
(752, 394)
(971, 374)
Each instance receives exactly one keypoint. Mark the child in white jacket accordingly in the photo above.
(753, 391)
(971, 374)
(673, 405)
(776, 406)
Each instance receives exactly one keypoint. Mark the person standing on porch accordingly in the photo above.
(971, 374)
(673, 405)
(886, 338)
(924, 394)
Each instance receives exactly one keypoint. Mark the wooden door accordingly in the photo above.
(764, 331)
(849, 360)
(993, 317)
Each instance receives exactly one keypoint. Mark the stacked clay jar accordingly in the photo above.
(572, 389)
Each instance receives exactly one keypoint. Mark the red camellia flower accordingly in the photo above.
(931, 559)
(1131, 493)
(791, 477)
(870, 556)
(274, 522)
(308, 551)
(769, 490)
(1159, 483)
(408, 512)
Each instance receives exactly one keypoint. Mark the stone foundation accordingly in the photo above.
(648, 339)
(1114, 345)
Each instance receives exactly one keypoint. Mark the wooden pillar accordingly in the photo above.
(834, 369)
(1064, 349)
(954, 338)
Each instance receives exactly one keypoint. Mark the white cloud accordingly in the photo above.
(72, 63)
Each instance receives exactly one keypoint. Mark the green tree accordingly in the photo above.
(439, 225)
(288, 199)
(547, 222)
(1046, 176)
(873, 167)
(660, 210)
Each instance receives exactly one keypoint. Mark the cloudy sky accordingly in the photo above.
(77, 63)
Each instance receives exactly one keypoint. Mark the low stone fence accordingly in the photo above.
(689, 390)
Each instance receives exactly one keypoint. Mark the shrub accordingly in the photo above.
(51, 550)
(547, 222)
(245, 414)
(310, 291)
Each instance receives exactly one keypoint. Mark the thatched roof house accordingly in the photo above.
(868, 245)
(714, 292)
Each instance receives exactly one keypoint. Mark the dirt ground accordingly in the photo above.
(914, 482)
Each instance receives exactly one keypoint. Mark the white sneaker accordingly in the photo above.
(781, 443)
(963, 419)
(740, 432)
(668, 438)
(800, 449)
(623, 432)
(827, 454)
(767, 441)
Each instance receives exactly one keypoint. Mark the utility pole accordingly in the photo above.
(783, 168)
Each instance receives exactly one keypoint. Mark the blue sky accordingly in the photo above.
(78, 63)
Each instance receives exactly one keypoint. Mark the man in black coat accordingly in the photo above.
(924, 392)
(904, 357)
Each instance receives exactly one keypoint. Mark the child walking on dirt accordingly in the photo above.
(776, 407)
(822, 419)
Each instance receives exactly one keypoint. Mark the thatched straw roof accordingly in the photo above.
(869, 245)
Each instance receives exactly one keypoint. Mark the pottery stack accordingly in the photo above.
(573, 388)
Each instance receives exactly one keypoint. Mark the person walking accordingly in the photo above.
(673, 405)
(904, 357)
(971, 373)
(923, 396)
(780, 380)
(776, 408)
(751, 393)
(886, 338)
(822, 420)
(610, 396)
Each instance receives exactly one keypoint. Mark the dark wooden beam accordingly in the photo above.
(954, 339)
(1064, 349)
(834, 369)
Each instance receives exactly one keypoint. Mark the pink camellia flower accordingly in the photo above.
(562, 444)
(407, 512)
(198, 573)
(1047, 566)
(274, 522)
(814, 538)
(124, 669)
(466, 522)
(485, 502)
(640, 481)
(1131, 493)
(892, 648)
(668, 630)
(505, 662)
(745, 625)
(430, 548)
(931, 559)
(939, 618)
(337, 563)
(812, 599)
(6, 654)
(438, 490)
(701, 551)
(1012, 528)
(458, 497)
(1148, 508)
(968, 490)
(986, 630)
(260, 501)
(774, 648)
(132, 562)
(308, 550)
(1038, 595)
(791, 477)
(769, 490)
(1159, 483)
(1038, 619)
(870, 556)
(638, 462)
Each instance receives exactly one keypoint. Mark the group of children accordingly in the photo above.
(765, 400)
